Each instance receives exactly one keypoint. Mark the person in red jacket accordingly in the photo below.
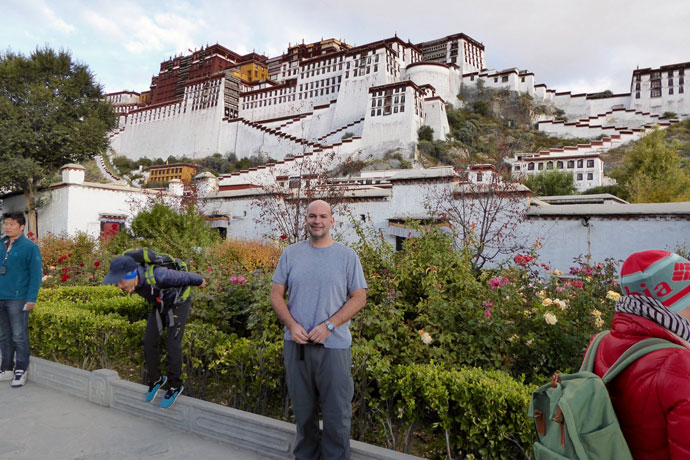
(651, 397)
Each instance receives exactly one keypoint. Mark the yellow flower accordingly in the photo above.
(529, 342)
(527, 313)
(550, 318)
(426, 338)
(546, 302)
(560, 304)
(613, 295)
(514, 338)
(556, 273)
(588, 279)
(598, 322)
(541, 294)
(596, 313)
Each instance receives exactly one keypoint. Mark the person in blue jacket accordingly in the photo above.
(166, 311)
(21, 273)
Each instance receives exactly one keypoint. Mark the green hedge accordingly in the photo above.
(79, 294)
(60, 331)
(465, 411)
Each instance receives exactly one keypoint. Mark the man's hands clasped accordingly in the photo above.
(317, 335)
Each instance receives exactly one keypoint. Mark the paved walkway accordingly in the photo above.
(38, 423)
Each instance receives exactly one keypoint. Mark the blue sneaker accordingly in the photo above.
(154, 387)
(171, 396)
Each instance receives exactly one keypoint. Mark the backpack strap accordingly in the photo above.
(635, 352)
(591, 354)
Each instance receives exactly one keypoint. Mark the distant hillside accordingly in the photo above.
(679, 132)
(493, 125)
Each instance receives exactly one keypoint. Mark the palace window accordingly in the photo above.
(571, 164)
(530, 166)
(540, 166)
(656, 92)
(670, 91)
(580, 163)
(504, 79)
(559, 164)
(579, 176)
(590, 176)
(637, 95)
(549, 165)
(590, 163)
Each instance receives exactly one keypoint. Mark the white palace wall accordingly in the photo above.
(445, 80)
(606, 237)
(194, 133)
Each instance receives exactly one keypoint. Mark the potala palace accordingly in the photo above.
(329, 102)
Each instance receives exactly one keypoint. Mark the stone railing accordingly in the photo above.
(266, 436)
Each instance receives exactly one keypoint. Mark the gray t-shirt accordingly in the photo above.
(318, 282)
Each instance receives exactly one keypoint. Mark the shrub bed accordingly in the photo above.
(412, 407)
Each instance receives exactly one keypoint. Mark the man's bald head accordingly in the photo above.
(319, 206)
(319, 222)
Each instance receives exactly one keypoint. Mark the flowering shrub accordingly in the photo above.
(72, 260)
(510, 318)
(549, 321)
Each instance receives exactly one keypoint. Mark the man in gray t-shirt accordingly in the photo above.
(326, 288)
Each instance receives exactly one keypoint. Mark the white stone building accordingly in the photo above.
(661, 90)
(74, 205)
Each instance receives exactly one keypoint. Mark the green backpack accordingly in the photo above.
(150, 258)
(573, 414)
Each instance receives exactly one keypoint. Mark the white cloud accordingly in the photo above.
(57, 22)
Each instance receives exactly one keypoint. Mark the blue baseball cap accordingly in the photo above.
(119, 268)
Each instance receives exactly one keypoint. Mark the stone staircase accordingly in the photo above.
(615, 121)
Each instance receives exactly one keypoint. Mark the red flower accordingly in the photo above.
(61, 259)
(283, 237)
(96, 264)
(81, 265)
(523, 259)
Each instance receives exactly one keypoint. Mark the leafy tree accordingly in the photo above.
(181, 232)
(652, 172)
(426, 133)
(52, 112)
(550, 183)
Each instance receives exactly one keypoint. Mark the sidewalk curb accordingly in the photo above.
(263, 435)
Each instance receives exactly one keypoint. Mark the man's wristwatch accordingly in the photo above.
(330, 326)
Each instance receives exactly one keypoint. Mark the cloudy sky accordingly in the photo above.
(570, 45)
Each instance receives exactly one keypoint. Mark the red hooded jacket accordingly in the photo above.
(651, 397)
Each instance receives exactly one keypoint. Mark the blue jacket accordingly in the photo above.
(24, 272)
